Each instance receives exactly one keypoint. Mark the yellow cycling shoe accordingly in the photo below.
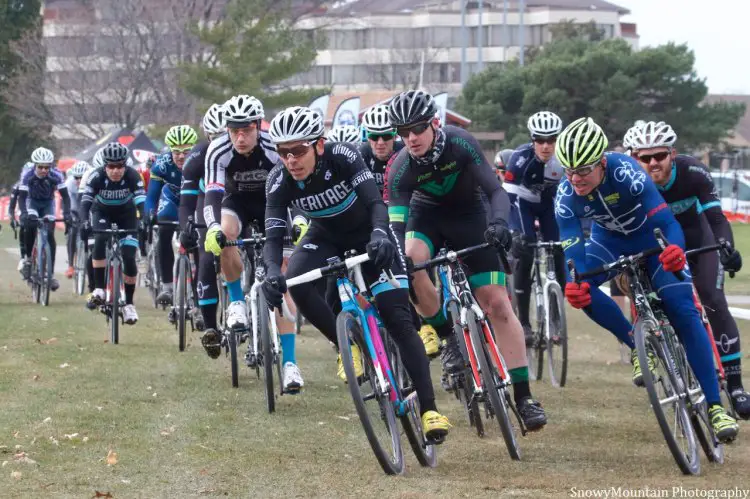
(356, 359)
(430, 339)
(435, 426)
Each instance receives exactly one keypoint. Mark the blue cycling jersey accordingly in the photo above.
(43, 188)
(164, 172)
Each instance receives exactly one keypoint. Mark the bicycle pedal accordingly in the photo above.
(436, 440)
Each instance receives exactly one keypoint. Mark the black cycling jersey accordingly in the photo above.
(340, 197)
(192, 182)
(111, 197)
(377, 166)
(13, 200)
(692, 196)
(452, 182)
(230, 172)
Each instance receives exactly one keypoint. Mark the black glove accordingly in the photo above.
(188, 239)
(13, 223)
(274, 288)
(68, 222)
(23, 218)
(381, 250)
(731, 260)
(85, 231)
(498, 235)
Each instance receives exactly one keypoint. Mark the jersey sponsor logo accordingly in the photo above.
(612, 198)
(424, 176)
(449, 166)
(379, 178)
(114, 194)
(351, 156)
(276, 183)
(250, 176)
(625, 173)
(275, 223)
(656, 210)
(331, 197)
(570, 242)
(201, 288)
(564, 191)
(468, 147)
(725, 342)
(625, 223)
(361, 177)
(440, 188)
(328, 175)
(310, 246)
(682, 205)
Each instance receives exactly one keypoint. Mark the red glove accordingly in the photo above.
(672, 258)
(578, 294)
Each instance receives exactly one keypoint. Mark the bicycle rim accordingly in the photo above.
(557, 338)
(267, 349)
(80, 268)
(233, 344)
(704, 432)
(497, 395)
(181, 301)
(372, 404)
(668, 406)
(153, 276)
(36, 285)
(115, 324)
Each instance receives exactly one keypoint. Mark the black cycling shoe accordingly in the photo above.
(165, 297)
(451, 357)
(741, 403)
(211, 341)
(532, 414)
(54, 284)
(528, 334)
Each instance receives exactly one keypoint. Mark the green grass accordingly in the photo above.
(180, 430)
(740, 285)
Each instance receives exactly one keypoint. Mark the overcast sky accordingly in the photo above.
(718, 31)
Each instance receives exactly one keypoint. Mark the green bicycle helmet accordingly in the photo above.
(181, 135)
(581, 143)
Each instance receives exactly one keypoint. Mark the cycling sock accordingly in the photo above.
(520, 379)
(235, 291)
(733, 372)
(99, 280)
(427, 405)
(440, 323)
(287, 348)
(129, 292)
(209, 315)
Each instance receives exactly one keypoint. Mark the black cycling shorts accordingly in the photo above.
(246, 208)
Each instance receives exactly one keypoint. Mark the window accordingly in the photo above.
(363, 39)
(441, 36)
(405, 38)
(502, 36)
(473, 36)
(343, 75)
(384, 38)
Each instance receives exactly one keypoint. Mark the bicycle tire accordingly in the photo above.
(267, 349)
(34, 280)
(557, 337)
(348, 330)
(465, 393)
(499, 403)
(535, 352)
(115, 324)
(80, 268)
(233, 345)
(181, 300)
(153, 273)
(46, 275)
(688, 464)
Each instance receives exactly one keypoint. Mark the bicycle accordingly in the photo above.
(384, 378)
(153, 281)
(673, 386)
(79, 266)
(185, 306)
(484, 379)
(115, 288)
(264, 349)
(550, 330)
(41, 262)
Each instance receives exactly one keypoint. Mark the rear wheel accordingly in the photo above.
(373, 405)
(234, 337)
(181, 301)
(557, 337)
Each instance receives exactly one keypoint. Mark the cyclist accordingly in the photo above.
(332, 185)
(626, 207)
(113, 194)
(36, 200)
(163, 199)
(192, 197)
(345, 133)
(531, 180)
(73, 183)
(237, 165)
(434, 189)
(502, 160)
(688, 188)
(15, 191)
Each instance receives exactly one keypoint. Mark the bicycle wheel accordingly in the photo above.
(490, 366)
(233, 344)
(153, 274)
(181, 300)
(116, 270)
(34, 280)
(465, 392)
(557, 337)
(377, 417)
(535, 351)
(667, 395)
(80, 268)
(268, 359)
(45, 272)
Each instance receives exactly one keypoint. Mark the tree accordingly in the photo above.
(254, 49)
(606, 80)
(16, 141)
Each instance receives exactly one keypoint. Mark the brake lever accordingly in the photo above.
(663, 243)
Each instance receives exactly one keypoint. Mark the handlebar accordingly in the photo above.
(451, 256)
(348, 263)
(252, 240)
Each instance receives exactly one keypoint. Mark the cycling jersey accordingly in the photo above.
(626, 208)
(13, 200)
(40, 191)
(164, 172)
(72, 184)
(378, 166)
(111, 196)
(230, 172)
(193, 187)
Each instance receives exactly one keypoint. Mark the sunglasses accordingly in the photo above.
(581, 171)
(417, 129)
(115, 166)
(544, 140)
(296, 152)
(658, 156)
(43, 167)
(387, 137)
(181, 150)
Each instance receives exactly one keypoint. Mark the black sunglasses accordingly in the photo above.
(296, 152)
(658, 156)
(387, 137)
(417, 129)
(115, 166)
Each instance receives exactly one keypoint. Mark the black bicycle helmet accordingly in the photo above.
(114, 152)
(414, 106)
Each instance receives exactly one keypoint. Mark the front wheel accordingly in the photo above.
(464, 385)
(535, 351)
(116, 271)
(557, 337)
(80, 268)
(183, 267)
(268, 359)
(372, 402)
(45, 272)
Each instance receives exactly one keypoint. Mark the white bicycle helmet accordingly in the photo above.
(345, 133)
(241, 110)
(653, 134)
(213, 120)
(98, 159)
(376, 120)
(296, 123)
(42, 156)
(79, 168)
(544, 124)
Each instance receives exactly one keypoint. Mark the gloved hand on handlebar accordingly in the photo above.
(188, 239)
(731, 260)
(519, 245)
(498, 235)
(578, 294)
(672, 258)
(215, 240)
(274, 288)
(381, 249)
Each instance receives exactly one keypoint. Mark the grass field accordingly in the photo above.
(740, 285)
(79, 416)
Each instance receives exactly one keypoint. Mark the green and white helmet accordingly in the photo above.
(181, 135)
(581, 143)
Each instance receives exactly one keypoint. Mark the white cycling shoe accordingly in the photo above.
(237, 315)
(129, 315)
(292, 377)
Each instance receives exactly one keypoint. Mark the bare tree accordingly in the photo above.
(406, 58)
